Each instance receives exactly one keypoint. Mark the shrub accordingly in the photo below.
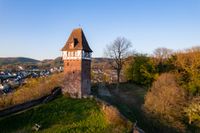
(166, 100)
(193, 110)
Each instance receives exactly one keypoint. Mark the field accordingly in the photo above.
(61, 115)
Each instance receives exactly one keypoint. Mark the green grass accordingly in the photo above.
(61, 115)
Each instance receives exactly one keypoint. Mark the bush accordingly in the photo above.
(166, 100)
(193, 110)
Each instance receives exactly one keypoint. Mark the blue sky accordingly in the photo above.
(40, 28)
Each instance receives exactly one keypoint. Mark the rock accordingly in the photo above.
(36, 127)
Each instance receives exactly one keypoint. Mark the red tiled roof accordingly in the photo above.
(78, 38)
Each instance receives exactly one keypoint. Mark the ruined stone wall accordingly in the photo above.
(86, 77)
(72, 70)
(78, 77)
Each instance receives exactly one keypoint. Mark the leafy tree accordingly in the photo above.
(141, 70)
(188, 64)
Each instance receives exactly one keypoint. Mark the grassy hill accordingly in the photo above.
(62, 115)
(16, 60)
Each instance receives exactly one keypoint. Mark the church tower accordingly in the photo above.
(76, 55)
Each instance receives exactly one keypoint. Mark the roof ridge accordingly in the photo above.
(82, 41)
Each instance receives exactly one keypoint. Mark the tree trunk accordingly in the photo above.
(118, 79)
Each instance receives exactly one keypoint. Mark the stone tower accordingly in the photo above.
(76, 55)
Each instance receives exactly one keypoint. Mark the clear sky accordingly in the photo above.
(40, 28)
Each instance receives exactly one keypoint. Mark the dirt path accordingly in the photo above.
(131, 95)
(103, 90)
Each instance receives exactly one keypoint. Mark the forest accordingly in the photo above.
(172, 79)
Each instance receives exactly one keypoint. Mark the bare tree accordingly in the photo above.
(118, 50)
(162, 53)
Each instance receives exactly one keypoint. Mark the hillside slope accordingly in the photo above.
(53, 62)
(62, 115)
(16, 60)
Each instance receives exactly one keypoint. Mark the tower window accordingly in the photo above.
(75, 41)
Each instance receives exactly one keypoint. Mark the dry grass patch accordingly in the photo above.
(114, 117)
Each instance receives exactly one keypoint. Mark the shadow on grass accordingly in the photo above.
(129, 100)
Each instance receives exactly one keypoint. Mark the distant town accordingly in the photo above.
(12, 79)
(14, 76)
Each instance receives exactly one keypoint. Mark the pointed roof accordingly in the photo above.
(79, 41)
